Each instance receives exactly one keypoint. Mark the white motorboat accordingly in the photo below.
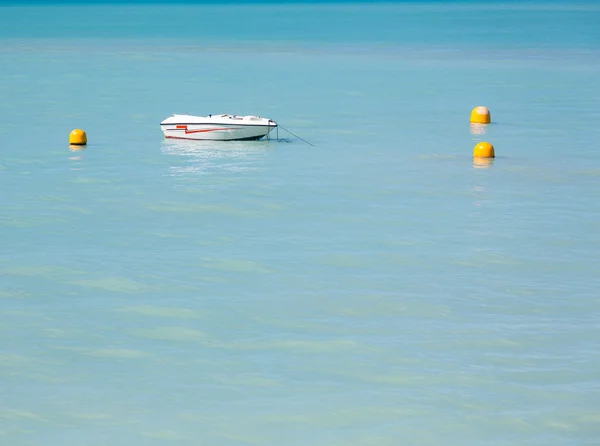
(217, 127)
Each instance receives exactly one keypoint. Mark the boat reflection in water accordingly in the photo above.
(209, 157)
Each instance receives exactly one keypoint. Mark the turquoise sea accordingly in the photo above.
(376, 288)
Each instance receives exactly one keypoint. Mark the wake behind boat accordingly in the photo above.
(217, 127)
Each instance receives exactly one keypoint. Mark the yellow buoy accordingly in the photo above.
(484, 150)
(481, 115)
(77, 138)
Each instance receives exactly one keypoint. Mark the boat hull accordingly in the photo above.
(220, 128)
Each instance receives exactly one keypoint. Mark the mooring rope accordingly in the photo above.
(293, 134)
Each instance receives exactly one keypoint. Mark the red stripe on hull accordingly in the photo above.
(181, 137)
(187, 132)
(249, 138)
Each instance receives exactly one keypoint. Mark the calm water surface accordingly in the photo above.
(377, 288)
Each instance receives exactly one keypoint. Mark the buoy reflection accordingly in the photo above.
(76, 160)
(478, 129)
(482, 163)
